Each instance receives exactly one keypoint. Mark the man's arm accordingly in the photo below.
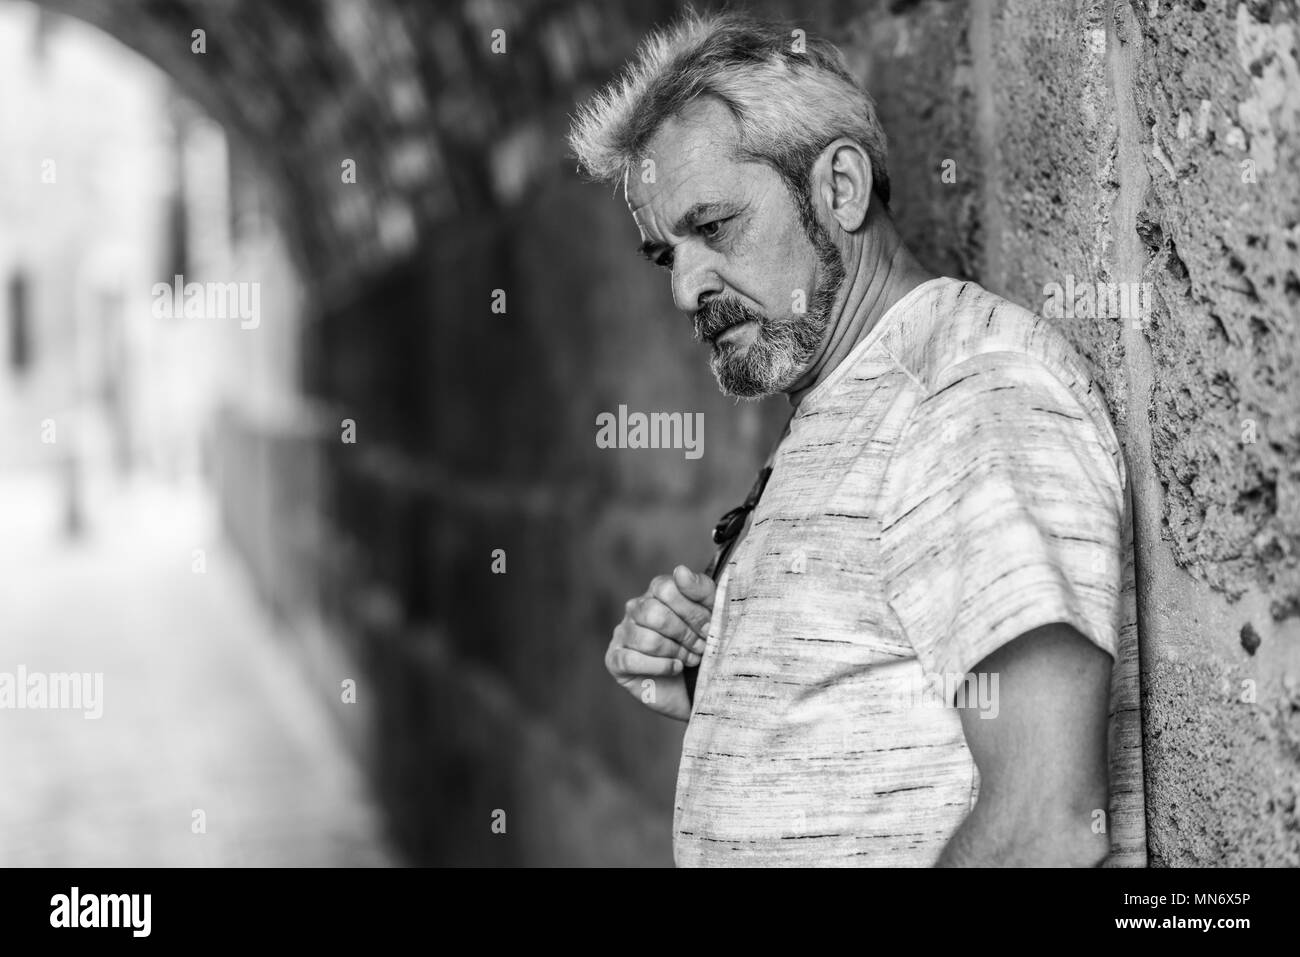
(1042, 759)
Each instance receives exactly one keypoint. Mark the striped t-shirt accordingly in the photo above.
(954, 483)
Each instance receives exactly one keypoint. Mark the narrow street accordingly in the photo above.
(204, 707)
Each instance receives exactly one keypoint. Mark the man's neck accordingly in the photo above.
(881, 271)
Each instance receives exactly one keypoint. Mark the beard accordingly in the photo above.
(783, 345)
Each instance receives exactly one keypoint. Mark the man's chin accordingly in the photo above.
(740, 384)
(744, 391)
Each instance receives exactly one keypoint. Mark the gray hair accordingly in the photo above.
(791, 99)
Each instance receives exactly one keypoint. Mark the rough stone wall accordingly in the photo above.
(1097, 140)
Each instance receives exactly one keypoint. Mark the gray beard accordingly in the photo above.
(783, 345)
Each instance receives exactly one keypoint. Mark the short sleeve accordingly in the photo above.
(1002, 510)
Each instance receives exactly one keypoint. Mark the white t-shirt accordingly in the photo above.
(954, 483)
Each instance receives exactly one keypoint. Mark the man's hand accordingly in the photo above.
(662, 631)
(1042, 759)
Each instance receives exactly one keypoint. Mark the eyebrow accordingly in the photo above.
(698, 212)
(651, 250)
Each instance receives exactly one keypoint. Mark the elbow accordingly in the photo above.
(1091, 851)
(1077, 838)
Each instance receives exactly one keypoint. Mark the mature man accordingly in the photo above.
(907, 658)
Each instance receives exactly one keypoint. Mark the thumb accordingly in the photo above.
(696, 586)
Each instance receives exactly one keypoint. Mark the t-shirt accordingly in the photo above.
(954, 483)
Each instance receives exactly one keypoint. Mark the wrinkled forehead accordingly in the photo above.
(690, 159)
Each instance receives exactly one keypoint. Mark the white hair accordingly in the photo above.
(791, 95)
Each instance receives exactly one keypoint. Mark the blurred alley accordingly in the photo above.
(211, 750)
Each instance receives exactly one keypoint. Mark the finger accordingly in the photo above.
(654, 643)
(694, 614)
(696, 586)
(653, 614)
(630, 662)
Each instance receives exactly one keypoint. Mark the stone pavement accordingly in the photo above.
(205, 708)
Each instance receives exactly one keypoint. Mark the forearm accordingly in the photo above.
(999, 836)
(1042, 760)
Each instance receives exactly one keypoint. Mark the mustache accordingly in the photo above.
(718, 315)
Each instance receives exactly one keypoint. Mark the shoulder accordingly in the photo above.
(973, 352)
(964, 321)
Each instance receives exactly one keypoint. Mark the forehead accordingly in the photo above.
(693, 157)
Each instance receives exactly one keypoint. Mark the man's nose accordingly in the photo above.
(695, 281)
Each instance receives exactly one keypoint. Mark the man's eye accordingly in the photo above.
(711, 229)
(664, 260)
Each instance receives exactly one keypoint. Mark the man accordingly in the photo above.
(907, 658)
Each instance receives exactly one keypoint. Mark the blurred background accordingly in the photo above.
(349, 571)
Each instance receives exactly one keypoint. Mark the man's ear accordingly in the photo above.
(842, 180)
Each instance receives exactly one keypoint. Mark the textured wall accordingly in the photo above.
(1100, 141)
